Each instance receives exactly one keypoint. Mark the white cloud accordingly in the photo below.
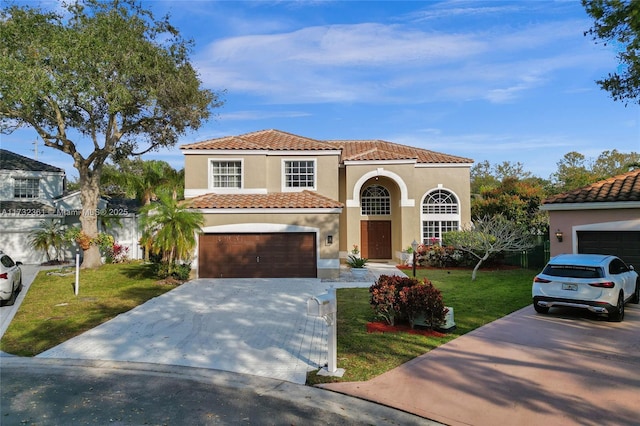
(377, 63)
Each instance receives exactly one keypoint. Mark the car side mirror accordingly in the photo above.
(631, 268)
(18, 263)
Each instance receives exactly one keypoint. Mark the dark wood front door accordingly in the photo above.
(376, 239)
(267, 255)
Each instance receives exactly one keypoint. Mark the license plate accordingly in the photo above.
(572, 287)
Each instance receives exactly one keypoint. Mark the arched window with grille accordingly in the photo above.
(440, 214)
(375, 201)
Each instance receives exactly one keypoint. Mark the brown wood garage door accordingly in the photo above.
(259, 255)
(624, 244)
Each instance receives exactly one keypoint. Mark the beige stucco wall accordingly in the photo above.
(408, 185)
(322, 224)
(569, 222)
(262, 171)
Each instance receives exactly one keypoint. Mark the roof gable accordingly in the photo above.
(269, 140)
(621, 188)
(378, 150)
(12, 161)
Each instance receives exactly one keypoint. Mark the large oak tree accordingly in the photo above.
(103, 79)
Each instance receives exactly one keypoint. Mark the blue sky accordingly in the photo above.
(497, 81)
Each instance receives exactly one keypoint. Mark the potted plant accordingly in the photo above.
(357, 264)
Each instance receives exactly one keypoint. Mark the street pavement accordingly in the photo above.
(80, 392)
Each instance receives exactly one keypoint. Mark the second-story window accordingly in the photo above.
(226, 174)
(300, 174)
(26, 188)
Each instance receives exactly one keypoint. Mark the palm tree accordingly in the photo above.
(170, 229)
(138, 179)
(49, 235)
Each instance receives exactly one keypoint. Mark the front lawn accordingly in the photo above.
(52, 314)
(364, 355)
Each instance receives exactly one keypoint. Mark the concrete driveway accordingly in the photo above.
(249, 326)
(564, 368)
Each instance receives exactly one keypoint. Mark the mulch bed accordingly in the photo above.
(383, 327)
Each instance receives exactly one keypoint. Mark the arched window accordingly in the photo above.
(375, 201)
(440, 214)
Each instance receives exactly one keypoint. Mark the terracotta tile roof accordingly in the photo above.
(352, 150)
(270, 140)
(625, 187)
(362, 150)
(276, 200)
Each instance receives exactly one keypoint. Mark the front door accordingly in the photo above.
(376, 239)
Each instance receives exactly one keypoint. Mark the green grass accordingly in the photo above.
(364, 355)
(52, 314)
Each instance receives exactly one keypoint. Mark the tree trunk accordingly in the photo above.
(89, 196)
(475, 270)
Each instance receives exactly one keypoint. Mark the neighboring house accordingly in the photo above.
(32, 191)
(281, 205)
(603, 217)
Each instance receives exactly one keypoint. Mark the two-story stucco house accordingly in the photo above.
(281, 205)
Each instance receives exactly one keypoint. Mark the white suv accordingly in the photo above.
(598, 283)
(10, 279)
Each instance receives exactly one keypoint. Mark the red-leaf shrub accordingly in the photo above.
(385, 299)
(422, 300)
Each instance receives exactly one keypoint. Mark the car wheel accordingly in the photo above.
(618, 313)
(636, 295)
(540, 309)
(12, 299)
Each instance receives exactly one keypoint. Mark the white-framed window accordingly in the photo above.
(299, 174)
(440, 214)
(375, 201)
(26, 187)
(440, 201)
(226, 174)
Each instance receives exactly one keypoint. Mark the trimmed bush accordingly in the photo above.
(422, 300)
(395, 298)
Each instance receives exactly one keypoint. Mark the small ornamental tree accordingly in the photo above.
(487, 236)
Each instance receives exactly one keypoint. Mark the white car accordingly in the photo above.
(10, 279)
(598, 283)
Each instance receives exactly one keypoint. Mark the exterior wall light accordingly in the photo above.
(559, 235)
